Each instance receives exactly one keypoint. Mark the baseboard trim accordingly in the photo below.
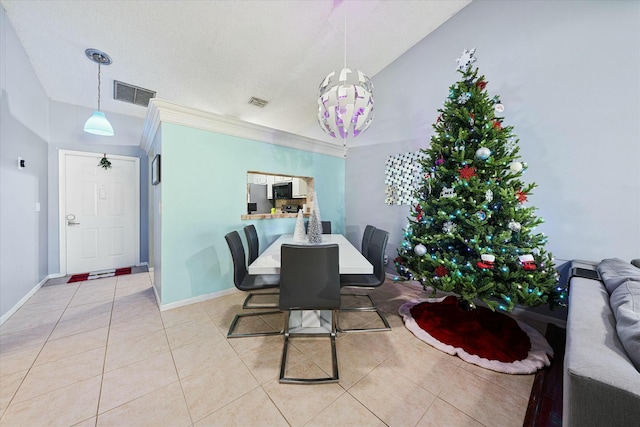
(25, 298)
(182, 303)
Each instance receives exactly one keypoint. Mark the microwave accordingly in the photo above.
(282, 190)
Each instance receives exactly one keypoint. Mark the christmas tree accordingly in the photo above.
(472, 231)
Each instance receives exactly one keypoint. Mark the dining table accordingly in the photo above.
(350, 260)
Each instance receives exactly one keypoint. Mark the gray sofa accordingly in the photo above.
(601, 383)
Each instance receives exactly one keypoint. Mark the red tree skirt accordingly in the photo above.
(485, 338)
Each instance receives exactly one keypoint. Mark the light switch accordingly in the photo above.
(37, 206)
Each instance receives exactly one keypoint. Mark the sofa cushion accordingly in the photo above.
(636, 262)
(615, 271)
(625, 303)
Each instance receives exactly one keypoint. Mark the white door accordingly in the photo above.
(100, 212)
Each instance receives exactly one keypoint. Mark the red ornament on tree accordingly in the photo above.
(441, 271)
(481, 84)
(497, 125)
(522, 196)
(439, 119)
(467, 173)
(418, 213)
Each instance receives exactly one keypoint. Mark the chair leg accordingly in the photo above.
(247, 305)
(372, 308)
(237, 317)
(334, 355)
(367, 308)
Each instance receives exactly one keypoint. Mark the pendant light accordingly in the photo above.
(98, 124)
(345, 104)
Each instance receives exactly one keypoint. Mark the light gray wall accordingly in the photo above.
(23, 132)
(66, 133)
(568, 75)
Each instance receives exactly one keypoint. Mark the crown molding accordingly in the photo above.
(161, 111)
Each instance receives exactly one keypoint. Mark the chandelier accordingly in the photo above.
(98, 124)
(345, 104)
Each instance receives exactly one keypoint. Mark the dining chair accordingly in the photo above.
(310, 280)
(366, 238)
(252, 242)
(249, 283)
(326, 227)
(375, 255)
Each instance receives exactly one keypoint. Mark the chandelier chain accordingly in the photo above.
(98, 86)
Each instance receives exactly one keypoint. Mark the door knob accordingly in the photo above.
(71, 220)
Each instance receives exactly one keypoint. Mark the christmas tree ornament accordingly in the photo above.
(481, 84)
(298, 232)
(521, 196)
(514, 226)
(449, 227)
(497, 125)
(447, 193)
(486, 261)
(488, 196)
(483, 153)
(420, 249)
(481, 215)
(464, 97)
(467, 173)
(527, 261)
(515, 166)
(441, 271)
(466, 59)
(498, 108)
(440, 160)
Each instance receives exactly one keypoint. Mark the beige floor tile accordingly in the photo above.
(208, 353)
(391, 397)
(440, 413)
(21, 321)
(132, 350)
(62, 407)
(425, 366)
(289, 397)
(127, 310)
(135, 380)
(84, 310)
(74, 344)
(254, 409)
(345, 411)
(134, 280)
(134, 327)
(61, 373)
(249, 325)
(379, 344)
(19, 360)
(108, 284)
(90, 422)
(264, 361)
(483, 400)
(9, 385)
(519, 384)
(187, 313)
(164, 406)
(208, 390)
(192, 331)
(92, 297)
(137, 291)
(26, 338)
(81, 324)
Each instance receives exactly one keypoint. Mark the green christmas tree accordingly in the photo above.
(472, 231)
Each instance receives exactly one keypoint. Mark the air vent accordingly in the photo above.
(258, 102)
(133, 94)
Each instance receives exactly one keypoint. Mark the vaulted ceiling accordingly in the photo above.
(216, 55)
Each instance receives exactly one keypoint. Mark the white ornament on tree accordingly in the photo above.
(298, 233)
(515, 167)
(488, 196)
(420, 250)
(514, 226)
(483, 153)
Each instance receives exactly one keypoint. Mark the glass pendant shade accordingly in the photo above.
(98, 124)
(345, 105)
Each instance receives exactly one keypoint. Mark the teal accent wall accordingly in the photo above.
(204, 194)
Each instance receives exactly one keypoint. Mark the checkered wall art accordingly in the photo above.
(402, 178)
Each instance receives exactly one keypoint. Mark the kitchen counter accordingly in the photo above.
(273, 216)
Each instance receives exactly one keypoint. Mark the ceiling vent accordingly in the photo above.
(133, 94)
(258, 102)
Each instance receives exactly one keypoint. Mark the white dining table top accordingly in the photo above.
(351, 260)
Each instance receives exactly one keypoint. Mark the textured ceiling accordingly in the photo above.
(216, 55)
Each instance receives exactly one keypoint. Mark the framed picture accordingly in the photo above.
(155, 170)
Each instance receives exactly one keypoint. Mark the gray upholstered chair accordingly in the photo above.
(249, 283)
(252, 243)
(375, 255)
(366, 238)
(310, 280)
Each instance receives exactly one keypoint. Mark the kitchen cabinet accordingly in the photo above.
(299, 188)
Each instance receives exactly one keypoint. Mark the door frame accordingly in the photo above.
(62, 196)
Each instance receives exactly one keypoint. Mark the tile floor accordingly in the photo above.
(100, 353)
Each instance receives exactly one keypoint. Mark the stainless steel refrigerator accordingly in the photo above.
(258, 195)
